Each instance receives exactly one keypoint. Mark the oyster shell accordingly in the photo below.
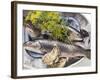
(52, 59)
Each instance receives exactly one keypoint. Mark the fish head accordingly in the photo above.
(74, 35)
(30, 45)
(29, 30)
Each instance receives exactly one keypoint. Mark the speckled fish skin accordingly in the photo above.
(67, 50)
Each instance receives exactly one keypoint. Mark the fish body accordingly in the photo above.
(41, 47)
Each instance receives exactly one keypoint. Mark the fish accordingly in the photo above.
(42, 47)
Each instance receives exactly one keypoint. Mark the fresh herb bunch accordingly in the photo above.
(52, 22)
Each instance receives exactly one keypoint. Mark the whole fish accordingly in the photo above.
(41, 47)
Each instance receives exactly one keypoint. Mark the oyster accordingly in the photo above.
(53, 59)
